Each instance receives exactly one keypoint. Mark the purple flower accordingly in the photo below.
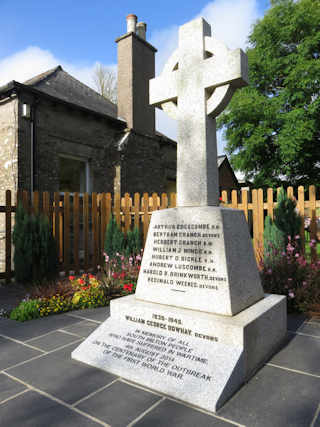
(291, 294)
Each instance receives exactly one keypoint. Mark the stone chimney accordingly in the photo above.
(136, 66)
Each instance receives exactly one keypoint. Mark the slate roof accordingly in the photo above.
(58, 83)
(221, 159)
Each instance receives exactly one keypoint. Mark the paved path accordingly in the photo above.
(40, 386)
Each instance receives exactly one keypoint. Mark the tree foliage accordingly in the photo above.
(272, 127)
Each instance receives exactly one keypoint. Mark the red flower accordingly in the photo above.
(71, 277)
(91, 276)
(81, 282)
(122, 275)
(83, 288)
(128, 287)
(114, 275)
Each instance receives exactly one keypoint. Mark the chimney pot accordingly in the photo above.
(131, 23)
(142, 29)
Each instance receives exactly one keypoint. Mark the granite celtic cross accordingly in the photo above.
(197, 83)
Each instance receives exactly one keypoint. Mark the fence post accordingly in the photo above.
(76, 232)
(66, 233)
(86, 230)
(300, 206)
(313, 222)
(244, 197)
(127, 214)
(95, 232)
(270, 202)
(145, 216)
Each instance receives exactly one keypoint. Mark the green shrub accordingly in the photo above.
(115, 241)
(133, 243)
(22, 240)
(114, 238)
(274, 241)
(35, 256)
(284, 228)
(287, 219)
(26, 310)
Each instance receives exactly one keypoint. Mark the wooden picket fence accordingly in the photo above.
(79, 221)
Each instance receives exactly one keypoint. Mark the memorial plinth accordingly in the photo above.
(199, 324)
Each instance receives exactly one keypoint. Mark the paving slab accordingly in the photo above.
(9, 387)
(12, 353)
(119, 404)
(295, 321)
(98, 314)
(24, 331)
(32, 409)
(301, 353)
(52, 341)
(310, 328)
(83, 329)
(170, 413)
(57, 374)
(275, 397)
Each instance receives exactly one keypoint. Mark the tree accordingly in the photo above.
(272, 127)
(105, 81)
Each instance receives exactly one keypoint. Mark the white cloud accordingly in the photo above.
(231, 20)
(33, 61)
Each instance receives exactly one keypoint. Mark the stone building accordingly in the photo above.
(57, 134)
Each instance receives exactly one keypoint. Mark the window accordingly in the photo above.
(74, 175)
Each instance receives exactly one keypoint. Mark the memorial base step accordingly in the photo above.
(196, 357)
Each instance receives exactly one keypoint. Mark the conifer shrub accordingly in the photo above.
(287, 219)
(285, 227)
(274, 241)
(116, 243)
(133, 243)
(35, 256)
(22, 240)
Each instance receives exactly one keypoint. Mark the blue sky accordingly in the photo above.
(38, 35)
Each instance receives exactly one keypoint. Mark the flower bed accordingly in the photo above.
(118, 277)
(293, 275)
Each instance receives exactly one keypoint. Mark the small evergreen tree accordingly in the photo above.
(35, 256)
(286, 224)
(108, 248)
(133, 244)
(117, 241)
(114, 238)
(287, 219)
(274, 241)
(22, 240)
(45, 254)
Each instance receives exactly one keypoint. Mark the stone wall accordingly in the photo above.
(62, 131)
(8, 162)
(143, 165)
